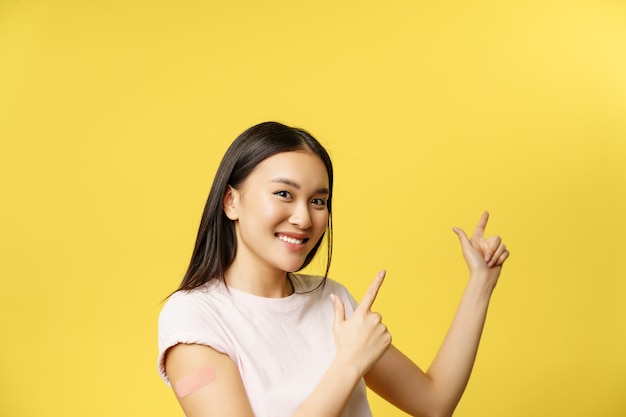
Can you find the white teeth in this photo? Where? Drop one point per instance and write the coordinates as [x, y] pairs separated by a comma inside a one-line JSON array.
[[291, 240]]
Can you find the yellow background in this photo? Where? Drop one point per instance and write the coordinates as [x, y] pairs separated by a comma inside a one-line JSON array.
[[114, 115]]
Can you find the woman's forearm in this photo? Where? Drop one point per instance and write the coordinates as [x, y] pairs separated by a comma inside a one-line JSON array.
[[330, 396], [452, 366]]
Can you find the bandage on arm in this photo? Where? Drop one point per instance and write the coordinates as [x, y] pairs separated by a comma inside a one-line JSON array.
[[206, 382], [194, 381]]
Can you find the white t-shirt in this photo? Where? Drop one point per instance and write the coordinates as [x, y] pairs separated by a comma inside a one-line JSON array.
[[282, 346]]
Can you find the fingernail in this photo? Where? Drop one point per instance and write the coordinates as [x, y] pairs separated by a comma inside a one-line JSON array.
[[487, 257], [333, 298]]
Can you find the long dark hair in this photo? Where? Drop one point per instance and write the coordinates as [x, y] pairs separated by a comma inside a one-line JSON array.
[[216, 243]]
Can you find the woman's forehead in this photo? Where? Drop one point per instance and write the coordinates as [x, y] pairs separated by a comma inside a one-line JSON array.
[[295, 166]]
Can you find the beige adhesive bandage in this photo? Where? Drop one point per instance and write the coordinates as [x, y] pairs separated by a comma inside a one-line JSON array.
[[194, 381]]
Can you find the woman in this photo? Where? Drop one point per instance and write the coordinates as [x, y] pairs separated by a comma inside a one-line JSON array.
[[245, 336]]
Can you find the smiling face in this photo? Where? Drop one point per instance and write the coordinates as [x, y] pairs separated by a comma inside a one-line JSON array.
[[279, 212]]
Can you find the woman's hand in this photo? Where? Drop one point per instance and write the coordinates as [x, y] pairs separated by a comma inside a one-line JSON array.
[[484, 256], [362, 339]]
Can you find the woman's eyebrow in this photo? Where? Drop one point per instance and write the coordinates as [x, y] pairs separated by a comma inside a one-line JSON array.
[[286, 181]]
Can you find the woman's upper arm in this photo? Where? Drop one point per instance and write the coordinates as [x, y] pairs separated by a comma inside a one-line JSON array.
[[206, 382]]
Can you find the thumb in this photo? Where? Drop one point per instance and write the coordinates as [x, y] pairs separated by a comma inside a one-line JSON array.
[[462, 237], [340, 310]]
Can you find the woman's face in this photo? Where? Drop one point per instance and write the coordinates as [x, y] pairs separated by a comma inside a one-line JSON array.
[[280, 212]]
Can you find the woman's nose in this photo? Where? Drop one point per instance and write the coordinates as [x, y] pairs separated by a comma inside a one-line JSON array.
[[301, 217]]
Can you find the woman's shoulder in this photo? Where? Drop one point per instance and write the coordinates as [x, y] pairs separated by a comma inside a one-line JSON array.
[[192, 301]]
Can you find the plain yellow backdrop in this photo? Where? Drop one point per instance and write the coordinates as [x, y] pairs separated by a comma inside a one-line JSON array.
[[114, 115]]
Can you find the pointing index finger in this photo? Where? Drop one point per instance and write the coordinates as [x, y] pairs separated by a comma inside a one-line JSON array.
[[482, 224], [372, 291]]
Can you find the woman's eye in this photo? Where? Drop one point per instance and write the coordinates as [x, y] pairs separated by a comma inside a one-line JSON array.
[[319, 202], [283, 194]]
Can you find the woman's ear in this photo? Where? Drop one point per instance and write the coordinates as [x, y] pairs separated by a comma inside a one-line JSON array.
[[231, 198]]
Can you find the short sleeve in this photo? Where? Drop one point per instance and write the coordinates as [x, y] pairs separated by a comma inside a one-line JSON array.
[[186, 318]]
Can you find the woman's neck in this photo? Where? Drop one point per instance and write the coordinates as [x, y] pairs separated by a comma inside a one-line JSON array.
[[270, 285]]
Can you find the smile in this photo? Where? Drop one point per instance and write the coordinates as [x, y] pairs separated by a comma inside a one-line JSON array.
[[291, 240]]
